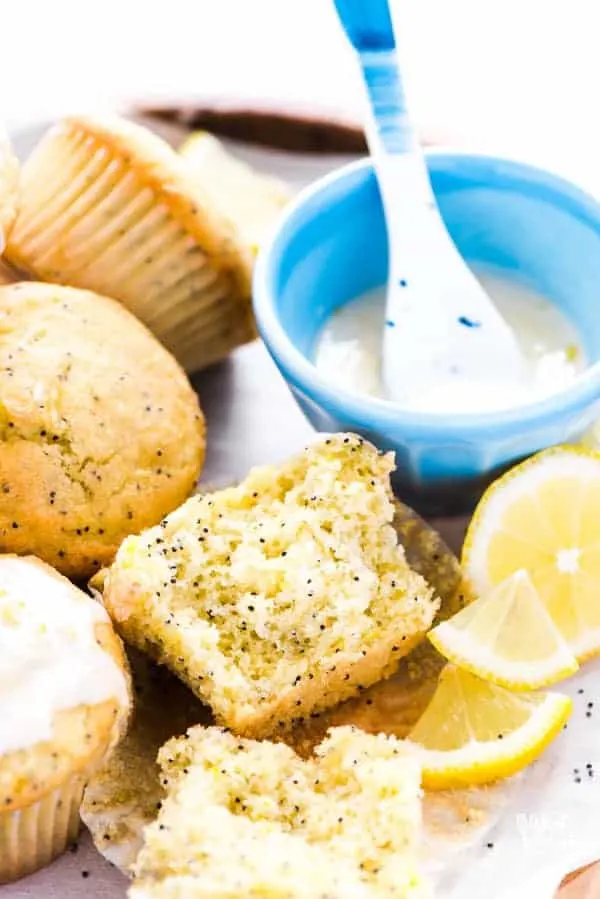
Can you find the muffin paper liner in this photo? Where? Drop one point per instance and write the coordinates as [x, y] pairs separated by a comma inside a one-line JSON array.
[[32, 837]]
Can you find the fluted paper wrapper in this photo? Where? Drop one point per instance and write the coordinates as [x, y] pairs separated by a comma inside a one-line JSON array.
[[32, 837]]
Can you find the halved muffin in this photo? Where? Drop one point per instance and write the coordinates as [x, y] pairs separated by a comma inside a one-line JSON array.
[[243, 818], [108, 206], [64, 705], [281, 596], [125, 794]]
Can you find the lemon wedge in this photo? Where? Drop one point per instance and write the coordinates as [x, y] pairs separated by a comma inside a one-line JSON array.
[[474, 732], [507, 637], [544, 516]]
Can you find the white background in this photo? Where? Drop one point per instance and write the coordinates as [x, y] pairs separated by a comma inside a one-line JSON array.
[[522, 73]]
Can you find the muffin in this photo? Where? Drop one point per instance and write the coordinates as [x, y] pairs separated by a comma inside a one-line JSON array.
[[252, 200], [279, 597], [108, 206], [100, 432], [9, 190], [63, 706], [243, 818]]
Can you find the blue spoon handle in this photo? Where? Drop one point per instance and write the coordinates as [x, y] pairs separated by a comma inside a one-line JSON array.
[[389, 113], [401, 170], [368, 26]]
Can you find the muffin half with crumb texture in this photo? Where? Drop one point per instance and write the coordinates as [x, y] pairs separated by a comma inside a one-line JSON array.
[[63, 706], [108, 206], [278, 597], [100, 432], [243, 818]]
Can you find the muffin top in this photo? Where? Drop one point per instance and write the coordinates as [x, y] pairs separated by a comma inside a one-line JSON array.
[[9, 188], [65, 692], [101, 433]]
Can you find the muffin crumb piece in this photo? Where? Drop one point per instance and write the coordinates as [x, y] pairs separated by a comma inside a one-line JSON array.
[[243, 818]]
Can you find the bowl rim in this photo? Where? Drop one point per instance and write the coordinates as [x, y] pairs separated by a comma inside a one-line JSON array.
[[374, 412]]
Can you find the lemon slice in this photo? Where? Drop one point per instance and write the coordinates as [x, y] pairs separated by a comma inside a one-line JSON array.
[[250, 199], [544, 516], [474, 732], [507, 637]]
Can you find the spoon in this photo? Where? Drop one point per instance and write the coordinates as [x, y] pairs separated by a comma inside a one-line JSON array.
[[441, 328]]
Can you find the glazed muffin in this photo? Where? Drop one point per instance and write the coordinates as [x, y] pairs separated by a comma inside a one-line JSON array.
[[9, 190], [281, 596], [242, 818], [100, 432], [108, 206], [63, 707]]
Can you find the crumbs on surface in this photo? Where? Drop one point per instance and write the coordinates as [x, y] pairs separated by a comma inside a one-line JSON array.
[[244, 818]]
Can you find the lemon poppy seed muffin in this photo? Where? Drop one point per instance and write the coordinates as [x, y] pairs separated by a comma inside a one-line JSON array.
[[63, 707], [100, 432], [109, 206], [243, 818], [278, 597], [9, 190], [250, 199]]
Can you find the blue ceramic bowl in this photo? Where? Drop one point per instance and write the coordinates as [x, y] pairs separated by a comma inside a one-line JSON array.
[[517, 221]]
